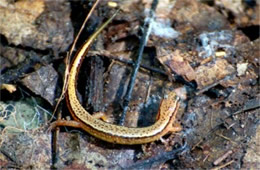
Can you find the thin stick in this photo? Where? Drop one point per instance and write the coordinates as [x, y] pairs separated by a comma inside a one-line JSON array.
[[68, 59], [143, 41], [223, 166], [116, 57], [81, 28], [65, 85], [163, 157]]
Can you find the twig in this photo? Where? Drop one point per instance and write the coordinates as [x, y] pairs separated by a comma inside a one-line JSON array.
[[125, 61], [163, 157], [68, 59], [83, 25], [149, 89], [65, 85], [220, 159], [197, 144], [10, 155], [208, 87], [223, 166], [143, 41], [249, 105], [224, 137], [13, 74]]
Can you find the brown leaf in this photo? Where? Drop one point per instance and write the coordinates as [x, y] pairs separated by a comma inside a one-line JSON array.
[[212, 72], [176, 62], [43, 82], [34, 24]]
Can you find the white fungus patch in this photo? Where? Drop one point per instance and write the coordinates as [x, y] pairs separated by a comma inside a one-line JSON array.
[[162, 28]]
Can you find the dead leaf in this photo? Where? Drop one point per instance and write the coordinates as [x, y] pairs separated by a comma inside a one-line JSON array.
[[213, 72], [176, 62], [34, 24], [42, 82]]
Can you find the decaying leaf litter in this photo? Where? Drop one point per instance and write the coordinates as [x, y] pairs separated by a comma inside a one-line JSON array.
[[207, 51]]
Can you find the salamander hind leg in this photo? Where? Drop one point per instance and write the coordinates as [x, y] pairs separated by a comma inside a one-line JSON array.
[[102, 116], [175, 128]]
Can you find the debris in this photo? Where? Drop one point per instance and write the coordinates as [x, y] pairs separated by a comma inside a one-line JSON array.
[[9, 87], [43, 82], [241, 68]]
